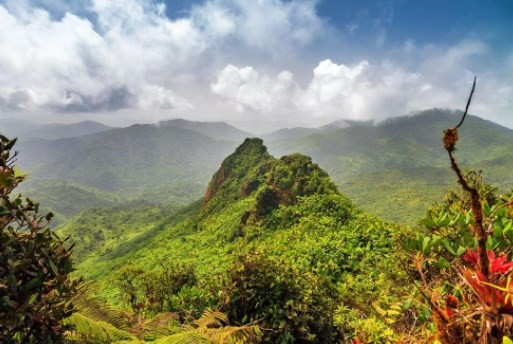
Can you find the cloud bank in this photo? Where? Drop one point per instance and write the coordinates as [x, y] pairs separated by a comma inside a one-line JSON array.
[[229, 60], [365, 90], [131, 54]]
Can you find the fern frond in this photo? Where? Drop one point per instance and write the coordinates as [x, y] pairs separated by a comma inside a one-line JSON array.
[[161, 325], [211, 318], [186, 337], [97, 309], [86, 330], [212, 327]]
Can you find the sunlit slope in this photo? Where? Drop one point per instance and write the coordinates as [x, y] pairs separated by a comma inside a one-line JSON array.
[[287, 207]]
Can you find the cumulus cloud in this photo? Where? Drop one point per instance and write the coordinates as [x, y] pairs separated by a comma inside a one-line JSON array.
[[131, 54], [365, 90], [246, 89]]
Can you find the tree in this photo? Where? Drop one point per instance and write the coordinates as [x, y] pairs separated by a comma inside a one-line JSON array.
[[35, 265]]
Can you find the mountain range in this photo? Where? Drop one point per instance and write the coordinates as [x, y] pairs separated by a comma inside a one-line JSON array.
[[400, 158]]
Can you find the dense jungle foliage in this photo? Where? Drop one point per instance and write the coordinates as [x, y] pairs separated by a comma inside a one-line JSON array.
[[273, 253]]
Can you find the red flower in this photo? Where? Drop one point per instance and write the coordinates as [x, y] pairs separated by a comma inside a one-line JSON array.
[[497, 264], [471, 257], [451, 303]]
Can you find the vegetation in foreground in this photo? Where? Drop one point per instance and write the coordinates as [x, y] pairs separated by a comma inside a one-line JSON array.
[[35, 265], [272, 253], [271, 235]]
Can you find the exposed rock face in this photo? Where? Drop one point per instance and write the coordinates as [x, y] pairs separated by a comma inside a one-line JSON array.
[[219, 178]]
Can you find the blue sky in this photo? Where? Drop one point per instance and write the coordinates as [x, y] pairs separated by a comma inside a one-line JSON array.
[[426, 22], [283, 62]]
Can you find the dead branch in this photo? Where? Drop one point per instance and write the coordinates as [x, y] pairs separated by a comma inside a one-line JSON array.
[[450, 139]]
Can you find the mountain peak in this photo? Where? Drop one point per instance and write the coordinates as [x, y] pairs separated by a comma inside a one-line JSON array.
[[237, 167], [252, 145], [252, 169]]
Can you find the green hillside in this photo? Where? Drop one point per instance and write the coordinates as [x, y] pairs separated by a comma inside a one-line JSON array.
[[277, 226], [162, 164], [65, 199]]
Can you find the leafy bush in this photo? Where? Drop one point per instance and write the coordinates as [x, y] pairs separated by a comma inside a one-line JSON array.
[[296, 175], [35, 265], [159, 290], [293, 306]]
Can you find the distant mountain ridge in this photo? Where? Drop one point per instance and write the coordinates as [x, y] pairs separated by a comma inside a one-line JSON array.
[[215, 130], [172, 161], [157, 163], [299, 132], [25, 130]]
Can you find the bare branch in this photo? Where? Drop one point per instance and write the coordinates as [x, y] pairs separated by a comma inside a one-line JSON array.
[[468, 103], [450, 139]]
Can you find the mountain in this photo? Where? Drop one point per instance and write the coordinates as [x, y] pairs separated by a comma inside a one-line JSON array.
[[214, 130], [29, 130], [272, 240], [404, 156], [401, 158], [288, 134], [59, 131], [300, 132], [65, 199], [158, 163], [16, 127]]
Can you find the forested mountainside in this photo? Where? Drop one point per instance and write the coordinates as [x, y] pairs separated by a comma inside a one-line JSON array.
[[214, 130], [403, 155], [272, 232], [403, 159], [65, 199], [157, 163]]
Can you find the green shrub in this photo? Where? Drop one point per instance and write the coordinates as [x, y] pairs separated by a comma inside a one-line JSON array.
[[289, 305], [35, 266]]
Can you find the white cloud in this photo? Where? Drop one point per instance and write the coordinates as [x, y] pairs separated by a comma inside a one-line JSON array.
[[246, 89], [133, 55], [364, 90]]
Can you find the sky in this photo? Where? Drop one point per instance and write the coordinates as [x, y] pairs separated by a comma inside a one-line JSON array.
[[259, 64]]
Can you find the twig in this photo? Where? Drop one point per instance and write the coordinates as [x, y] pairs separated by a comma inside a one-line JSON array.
[[468, 103]]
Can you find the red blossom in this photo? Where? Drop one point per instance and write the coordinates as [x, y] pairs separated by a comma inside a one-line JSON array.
[[471, 257], [497, 264]]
